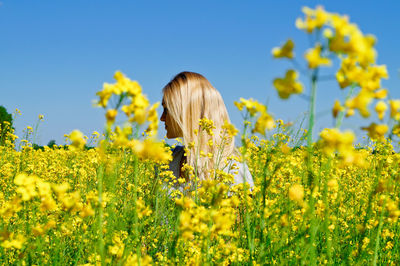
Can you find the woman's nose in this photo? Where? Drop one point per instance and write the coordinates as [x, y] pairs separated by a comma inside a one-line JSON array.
[[162, 118]]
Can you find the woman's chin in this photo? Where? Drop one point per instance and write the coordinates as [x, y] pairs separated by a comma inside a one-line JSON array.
[[171, 136]]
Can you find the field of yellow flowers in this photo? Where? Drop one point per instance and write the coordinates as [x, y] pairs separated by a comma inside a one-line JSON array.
[[323, 202]]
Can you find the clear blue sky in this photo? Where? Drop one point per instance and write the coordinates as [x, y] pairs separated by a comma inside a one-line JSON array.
[[55, 55]]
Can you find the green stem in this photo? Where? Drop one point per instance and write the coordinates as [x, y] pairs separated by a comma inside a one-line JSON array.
[[250, 238], [378, 235], [327, 212], [135, 215], [311, 181], [100, 218], [339, 119], [311, 115]]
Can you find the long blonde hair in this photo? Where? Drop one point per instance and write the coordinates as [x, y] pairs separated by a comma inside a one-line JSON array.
[[190, 97]]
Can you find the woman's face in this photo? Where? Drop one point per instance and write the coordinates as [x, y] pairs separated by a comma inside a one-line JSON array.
[[171, 126]]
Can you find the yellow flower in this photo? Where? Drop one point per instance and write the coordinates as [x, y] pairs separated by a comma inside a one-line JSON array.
[[285, 149], [371, 77], [152, 117], [265, 121], [333, 184], [26, 186], [314, 19], [37, 230], [341, 25], [363, 47], [333, 140], [394, 109], [123, 85], [361, 102], [207, 125], [285, 51], [349, 72], [350, 112], [381, 94], [239, 105], [150, 150], [133, 260], [105, 94], [77, 140], [110, 115], [14, 242], [142, 209], [288, 85], [252, 106], [380, 109], [314, 59], [375, 131], [230, 129], [296, 193], [337, 107], [86, 211]]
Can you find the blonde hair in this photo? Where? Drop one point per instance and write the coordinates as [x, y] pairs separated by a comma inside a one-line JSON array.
[[190, 97]]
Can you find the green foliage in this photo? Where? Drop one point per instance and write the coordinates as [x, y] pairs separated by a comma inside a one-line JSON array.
[[51, 143], [6, 124]]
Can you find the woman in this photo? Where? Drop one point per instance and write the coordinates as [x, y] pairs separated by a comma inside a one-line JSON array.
[[188, 98]]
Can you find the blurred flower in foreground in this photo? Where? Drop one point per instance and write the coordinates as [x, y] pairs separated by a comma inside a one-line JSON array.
[[360, 102], [288, 85], [376, 132], [333, 140], [380, 109], [252, 106], [134, 104], [394, 109], [296, 193], [285, 51], [315, 19], [337, 107], [230, 128], [314, 59], [77, 140], [264, 121]]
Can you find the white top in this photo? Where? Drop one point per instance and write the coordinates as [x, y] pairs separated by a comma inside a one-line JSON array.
[[241, 173]]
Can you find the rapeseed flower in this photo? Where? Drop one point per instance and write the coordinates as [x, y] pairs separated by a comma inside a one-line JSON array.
[[288, 85], [296, 193], [314, 59], [111, 114], [315, 19], [361, 102], [77, 140], [380, 109], [14, 241], [376, 131], [333, 140], [285, 51], [394, 109], [264, 122], [337, 107]]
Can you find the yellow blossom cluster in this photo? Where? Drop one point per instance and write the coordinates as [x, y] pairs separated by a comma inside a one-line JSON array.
[[264, 121], [137, 108], [358, 68], [288, 85], [138, 111]]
